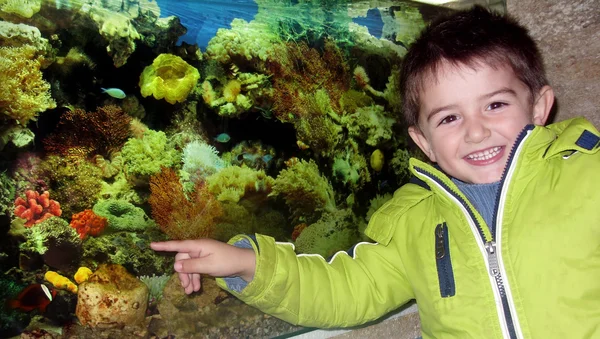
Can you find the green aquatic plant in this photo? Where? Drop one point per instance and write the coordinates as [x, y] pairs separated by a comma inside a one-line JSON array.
[[7, 194]]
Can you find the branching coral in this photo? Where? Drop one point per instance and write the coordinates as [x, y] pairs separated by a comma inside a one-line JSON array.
[[85, 134], [177, 216], [306, 192], [25, 93]]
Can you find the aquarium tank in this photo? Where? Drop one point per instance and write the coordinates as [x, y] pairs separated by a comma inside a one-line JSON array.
[[129, 121]]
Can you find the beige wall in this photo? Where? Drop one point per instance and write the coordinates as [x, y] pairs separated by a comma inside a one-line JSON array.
[[568, 33]]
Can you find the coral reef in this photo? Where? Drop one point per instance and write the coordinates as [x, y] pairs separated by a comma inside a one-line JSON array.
[[60, 282], [371, 124], [177, 216], [36, 207], [7, 194], [58, 244], [21, 8], [74, 181], [234, 183], [306, 192], [88, 223], [333, 232], [122, 215], [84, 134], [144, 157], [26, 94], [83, 274], [199, 161], [169, 77]]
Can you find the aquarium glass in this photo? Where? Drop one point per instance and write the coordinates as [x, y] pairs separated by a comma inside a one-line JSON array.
[[124, 122]]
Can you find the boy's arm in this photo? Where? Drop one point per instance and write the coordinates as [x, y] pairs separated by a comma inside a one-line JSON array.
[[351, 289]]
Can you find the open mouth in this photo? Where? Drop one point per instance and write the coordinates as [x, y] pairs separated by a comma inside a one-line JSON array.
[[488, 154]]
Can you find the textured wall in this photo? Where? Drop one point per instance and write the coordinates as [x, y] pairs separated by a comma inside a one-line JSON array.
[[568, 33]]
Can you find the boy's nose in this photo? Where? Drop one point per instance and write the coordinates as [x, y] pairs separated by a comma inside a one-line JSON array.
[[476, 131]]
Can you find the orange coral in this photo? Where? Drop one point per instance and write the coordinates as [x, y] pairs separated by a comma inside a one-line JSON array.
[[88, 222], [36, 207], [85, 134], [177, 216]]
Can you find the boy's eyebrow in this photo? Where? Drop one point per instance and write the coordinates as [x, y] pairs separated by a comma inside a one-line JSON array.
[[485, 96]]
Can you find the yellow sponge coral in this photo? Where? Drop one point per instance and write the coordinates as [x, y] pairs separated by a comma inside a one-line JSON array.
[[82, 274], [60, 282], [169, 77]]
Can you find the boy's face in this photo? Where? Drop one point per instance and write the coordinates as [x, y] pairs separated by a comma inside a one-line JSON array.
[[470, 118]]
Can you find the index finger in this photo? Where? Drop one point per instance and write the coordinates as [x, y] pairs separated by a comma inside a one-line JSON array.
[[177, 246]]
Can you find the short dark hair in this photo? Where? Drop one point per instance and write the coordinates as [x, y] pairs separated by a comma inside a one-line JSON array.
[[472, 37]]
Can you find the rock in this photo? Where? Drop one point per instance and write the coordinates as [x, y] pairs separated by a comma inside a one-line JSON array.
[[112, 297]]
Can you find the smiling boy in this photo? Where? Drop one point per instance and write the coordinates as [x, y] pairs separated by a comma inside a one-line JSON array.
[[499, 237]]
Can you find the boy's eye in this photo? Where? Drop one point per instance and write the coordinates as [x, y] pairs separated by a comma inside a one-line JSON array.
[[495, 105], [448, 119]]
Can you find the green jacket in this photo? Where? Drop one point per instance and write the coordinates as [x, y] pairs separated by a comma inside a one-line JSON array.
[[538, 276]]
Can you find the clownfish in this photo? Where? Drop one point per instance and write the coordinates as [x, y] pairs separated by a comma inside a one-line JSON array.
[[33, 296]]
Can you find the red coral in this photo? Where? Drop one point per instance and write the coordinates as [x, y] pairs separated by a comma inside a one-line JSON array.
[[177, 216], [36, 207], [88, 222], [85, 134]]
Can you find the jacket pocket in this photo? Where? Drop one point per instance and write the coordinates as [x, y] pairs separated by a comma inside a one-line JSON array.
[[443, 262]]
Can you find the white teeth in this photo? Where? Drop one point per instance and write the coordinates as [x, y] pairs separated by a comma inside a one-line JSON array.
[[487, 154]]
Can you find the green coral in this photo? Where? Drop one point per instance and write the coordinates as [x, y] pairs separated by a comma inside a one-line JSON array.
[[400, 166], [156, 285], [123, 215], [371, 124], [132, 250], [120, 189], [74, 182], [7, 194], [350, 168], [249, 41], [52, 228], [333, 232], [144, 157], [234, 182], [306, 192]]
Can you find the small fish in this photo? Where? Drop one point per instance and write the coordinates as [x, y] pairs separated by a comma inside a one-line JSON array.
[[222, 138], [266, 158], [114, 92], [33, 296]]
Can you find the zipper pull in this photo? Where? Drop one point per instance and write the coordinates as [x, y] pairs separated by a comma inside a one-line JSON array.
[[490, 247], [440, 248]]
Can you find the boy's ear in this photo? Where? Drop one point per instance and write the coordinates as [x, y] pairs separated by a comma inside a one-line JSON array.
[[543, 105], [417, 136]]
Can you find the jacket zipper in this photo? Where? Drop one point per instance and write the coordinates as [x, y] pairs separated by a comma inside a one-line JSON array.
[[504, 303]]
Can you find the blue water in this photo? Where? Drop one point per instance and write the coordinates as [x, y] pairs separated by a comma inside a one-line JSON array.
[[203, 18]]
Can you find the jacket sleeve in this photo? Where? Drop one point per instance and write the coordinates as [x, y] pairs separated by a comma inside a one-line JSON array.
[[350, 289]]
